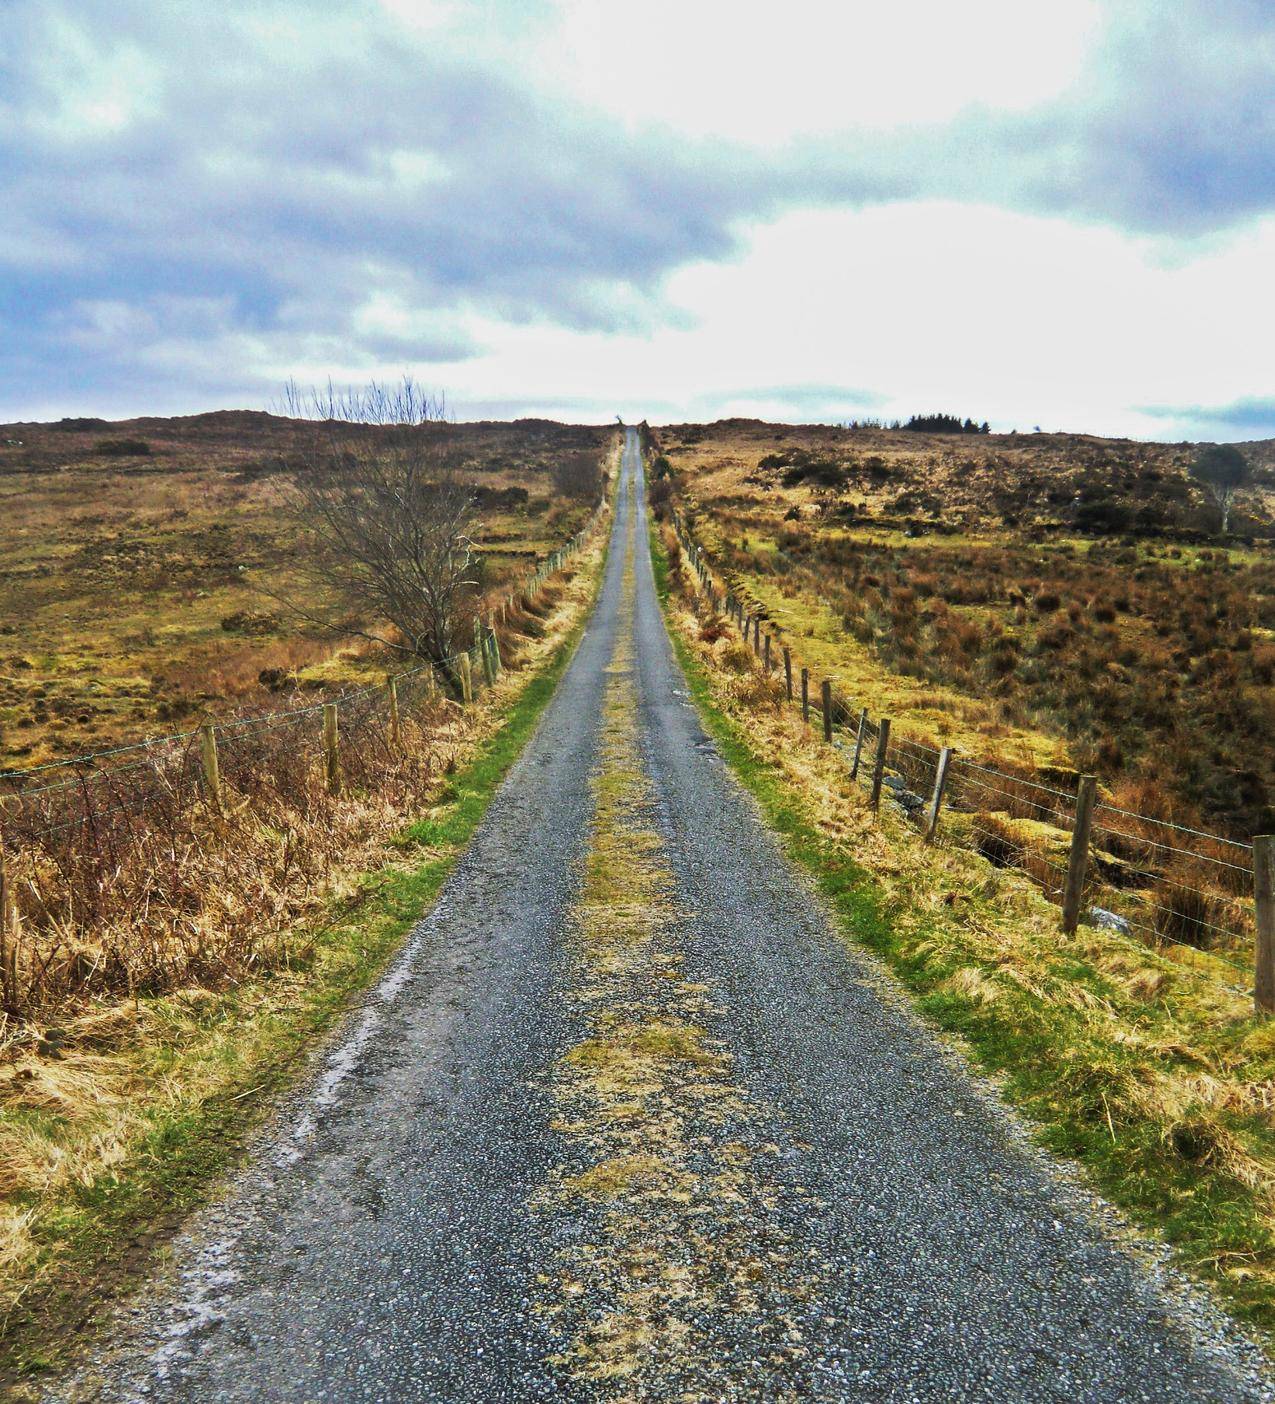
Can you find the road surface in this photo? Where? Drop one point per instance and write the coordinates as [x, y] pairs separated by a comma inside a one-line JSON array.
[[628, 1120]]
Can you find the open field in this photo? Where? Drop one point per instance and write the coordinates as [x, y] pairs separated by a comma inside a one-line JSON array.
[[1040, 600], [131, 583]]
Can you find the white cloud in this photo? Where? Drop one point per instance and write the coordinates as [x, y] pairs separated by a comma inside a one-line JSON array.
[[765, 73]]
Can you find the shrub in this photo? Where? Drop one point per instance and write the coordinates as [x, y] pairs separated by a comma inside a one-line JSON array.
[[122, 448]]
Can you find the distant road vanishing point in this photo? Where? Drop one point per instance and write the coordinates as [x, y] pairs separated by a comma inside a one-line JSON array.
[[628, 1119]]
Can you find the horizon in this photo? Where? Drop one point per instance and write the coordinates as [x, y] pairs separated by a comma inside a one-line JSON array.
[[561, 209]]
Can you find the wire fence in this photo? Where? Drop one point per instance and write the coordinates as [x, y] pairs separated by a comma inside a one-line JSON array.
[[143, 865], [1204, 895]]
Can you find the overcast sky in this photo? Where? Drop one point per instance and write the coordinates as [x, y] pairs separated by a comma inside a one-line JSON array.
[[1058, 213]]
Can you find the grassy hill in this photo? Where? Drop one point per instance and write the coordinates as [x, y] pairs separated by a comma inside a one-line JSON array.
[[131, 556], [1057, 600]]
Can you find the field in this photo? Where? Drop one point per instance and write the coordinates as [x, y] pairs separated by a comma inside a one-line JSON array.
[[1048, 601], [136, 557]]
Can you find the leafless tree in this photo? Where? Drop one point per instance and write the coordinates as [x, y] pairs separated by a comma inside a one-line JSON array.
[[384, 516]]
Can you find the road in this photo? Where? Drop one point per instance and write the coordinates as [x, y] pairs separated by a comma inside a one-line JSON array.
[[628, 1120]]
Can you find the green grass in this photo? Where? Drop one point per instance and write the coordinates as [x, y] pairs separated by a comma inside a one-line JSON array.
[[1045, 1056], [98, 1239]]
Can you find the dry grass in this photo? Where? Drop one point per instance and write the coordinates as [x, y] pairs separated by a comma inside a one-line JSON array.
[[1152, 1070], [131, 605], [152, 1003]]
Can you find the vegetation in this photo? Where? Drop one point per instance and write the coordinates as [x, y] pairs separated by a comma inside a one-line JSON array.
[[123, 1097], [899, 572], [131, 585], [1152, 1075], [1223, 469]]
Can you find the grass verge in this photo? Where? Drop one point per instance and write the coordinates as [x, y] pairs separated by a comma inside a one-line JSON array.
[[1155, 1080], [212, 1061]]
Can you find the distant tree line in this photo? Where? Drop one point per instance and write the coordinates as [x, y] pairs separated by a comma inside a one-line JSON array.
[[925, 424]]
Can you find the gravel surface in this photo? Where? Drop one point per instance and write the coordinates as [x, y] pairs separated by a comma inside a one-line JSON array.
[[393, 1237]]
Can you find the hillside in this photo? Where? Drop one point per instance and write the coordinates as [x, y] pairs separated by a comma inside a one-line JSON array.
[[1037, 599], [135, 558], [1039, 483]]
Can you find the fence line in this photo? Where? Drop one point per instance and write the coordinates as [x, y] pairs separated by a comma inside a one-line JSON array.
[[64, 842], [1196, 899]]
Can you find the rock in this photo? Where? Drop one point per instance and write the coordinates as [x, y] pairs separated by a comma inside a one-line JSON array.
[[1108, 921]]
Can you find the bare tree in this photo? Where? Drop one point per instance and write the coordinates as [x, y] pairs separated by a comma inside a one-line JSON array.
[[1223, 470], [384, 515]]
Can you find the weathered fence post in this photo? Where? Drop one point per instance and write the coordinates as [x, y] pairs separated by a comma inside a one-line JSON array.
[[825, 695], [756, 633], [805, 695], [765, 655], [489, 663], [396, 732], [212, 766], [8, 939], [1078, 862], [858, 744], [788, 671], [1264, 900], [878, 770], [331, 748], [496, 660], [466, 679], [940, 783]]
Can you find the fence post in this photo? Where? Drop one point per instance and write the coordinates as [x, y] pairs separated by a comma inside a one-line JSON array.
[[858, 744], [331, 748], [396, 734], [765, 657], [466, 679], [940, 783], [489, 663], [1264, 900], [8, 939], [878, 770], [495, 651], [826, 698], [788, 671], [212, 767], [1078, 863], [756, 633], [805, 695]]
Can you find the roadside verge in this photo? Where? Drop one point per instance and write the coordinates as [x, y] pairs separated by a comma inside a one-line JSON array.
[[1156, 1082]]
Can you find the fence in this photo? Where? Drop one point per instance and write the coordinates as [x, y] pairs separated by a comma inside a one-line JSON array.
[[1211, 897], [101, 839]]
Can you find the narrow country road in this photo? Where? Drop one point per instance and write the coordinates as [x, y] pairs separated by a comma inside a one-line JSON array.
[[627, 1120]]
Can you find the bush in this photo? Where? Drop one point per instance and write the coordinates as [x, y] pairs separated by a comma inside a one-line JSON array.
[[122, 448]]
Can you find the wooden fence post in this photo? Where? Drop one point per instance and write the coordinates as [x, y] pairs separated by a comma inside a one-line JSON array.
[[212, 766], [765, 657], [331, 748], [826, 699], [396, 732], [466, 679], [858, 744], [878, 770], [484, 652], [1078, 862], [940, 783], [788, 671], [805, 695], [756, 633], [1264, 900], [8, 939], [497, 663]]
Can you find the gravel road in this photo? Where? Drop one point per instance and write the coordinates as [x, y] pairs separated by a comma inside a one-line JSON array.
[[627, 1120]]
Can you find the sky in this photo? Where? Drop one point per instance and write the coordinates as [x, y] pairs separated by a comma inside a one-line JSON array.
[[1058, 214]]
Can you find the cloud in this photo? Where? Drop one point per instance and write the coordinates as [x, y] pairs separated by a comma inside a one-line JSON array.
[[1251, 418], [200, 201]]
